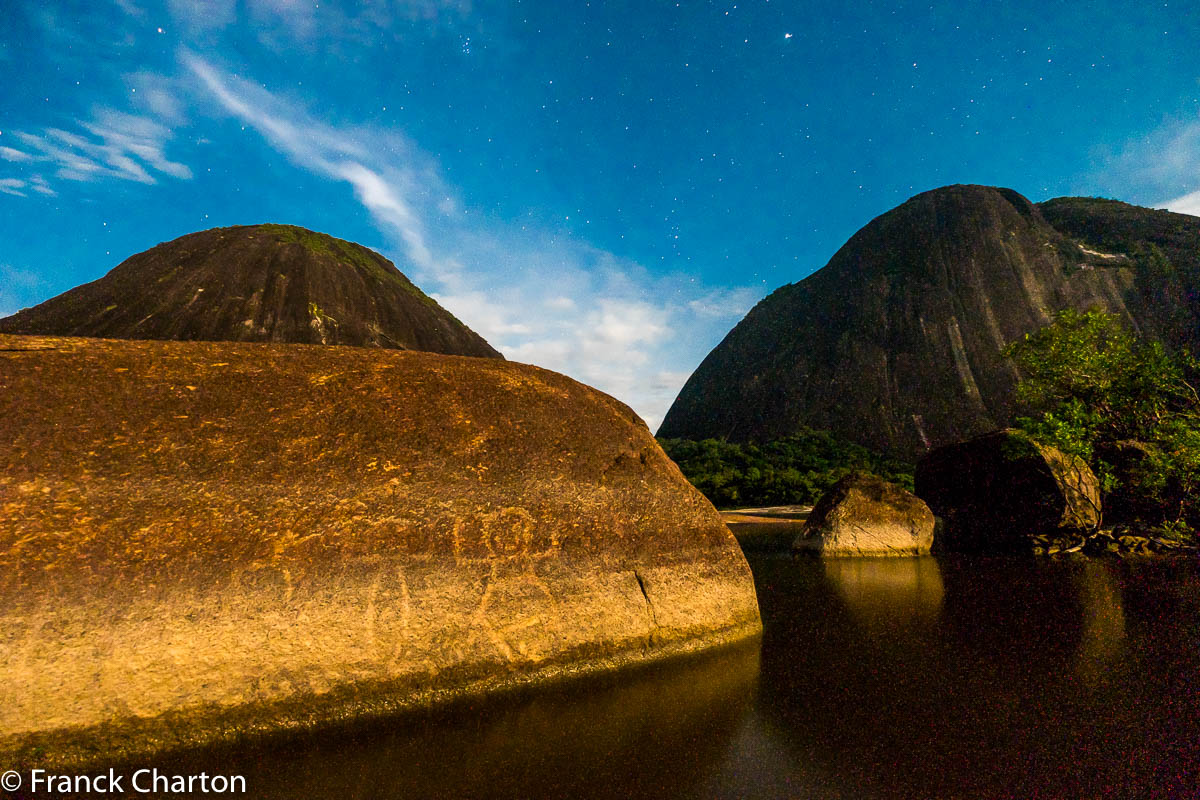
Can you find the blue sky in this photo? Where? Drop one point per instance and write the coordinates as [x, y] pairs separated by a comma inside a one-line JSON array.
[[603, 189]]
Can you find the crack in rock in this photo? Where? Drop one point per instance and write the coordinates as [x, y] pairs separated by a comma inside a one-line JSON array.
[[649, 605]]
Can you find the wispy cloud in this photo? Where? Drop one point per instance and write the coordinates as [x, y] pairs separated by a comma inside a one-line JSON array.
[[157, 96], [209, 15], [538, 296], [1184, 204], [12, 154], [1161, 168], [39, 185], [15, 286], [337, 155], [19, 186], [112, 144], [131, 8], [12, 186], [279, 23]]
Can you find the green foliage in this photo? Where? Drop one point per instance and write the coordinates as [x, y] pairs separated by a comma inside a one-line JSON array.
[[1150, 258], [1176, 531], [1071, 255], [791, 471], [320, 243], [1090, 385], [346, 252], [1164, 250], [315, 312]]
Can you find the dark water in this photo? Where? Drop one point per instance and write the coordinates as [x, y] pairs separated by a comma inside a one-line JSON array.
[[875, 678]]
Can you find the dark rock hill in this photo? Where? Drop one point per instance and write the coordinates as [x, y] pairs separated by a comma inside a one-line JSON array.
[[895, 343], [255, 283]]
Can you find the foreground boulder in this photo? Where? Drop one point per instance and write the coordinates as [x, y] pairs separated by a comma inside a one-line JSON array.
[[1001, 491], [862, 515], [200, 540]]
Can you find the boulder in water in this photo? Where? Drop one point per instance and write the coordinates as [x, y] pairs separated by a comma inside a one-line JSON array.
[[998, 491], [862, 515]]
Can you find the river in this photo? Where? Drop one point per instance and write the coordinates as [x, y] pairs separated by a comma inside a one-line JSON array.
[[919, 678]]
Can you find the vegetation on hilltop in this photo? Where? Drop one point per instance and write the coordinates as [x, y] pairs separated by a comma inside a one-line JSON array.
[[795, 470], [1159, 241], [340, 249], [1164, 249]]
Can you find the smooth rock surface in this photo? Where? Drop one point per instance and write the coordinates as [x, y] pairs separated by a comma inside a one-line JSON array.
[[862, 515], [201, 541], [997, 492]]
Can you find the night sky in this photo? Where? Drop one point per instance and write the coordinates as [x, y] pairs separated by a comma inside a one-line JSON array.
[[603, 189]]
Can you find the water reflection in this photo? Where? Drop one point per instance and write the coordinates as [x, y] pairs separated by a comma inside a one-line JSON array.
[[877, 678], [761, 762], [656, 732], [1102, 638], [1001, 678], [888, 591]]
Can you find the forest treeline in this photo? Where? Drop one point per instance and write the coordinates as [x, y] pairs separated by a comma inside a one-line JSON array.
[[795, 470]]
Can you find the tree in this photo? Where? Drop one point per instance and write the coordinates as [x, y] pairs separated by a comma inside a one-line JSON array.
[[1093, 388]]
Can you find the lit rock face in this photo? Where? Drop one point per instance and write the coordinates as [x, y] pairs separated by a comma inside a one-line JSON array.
[[896, 343], [255, 283], [862, 515], [201, 540], [996, 492]]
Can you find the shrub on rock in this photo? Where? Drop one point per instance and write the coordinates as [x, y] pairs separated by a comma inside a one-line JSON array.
[[998, 491], [1140, 488]]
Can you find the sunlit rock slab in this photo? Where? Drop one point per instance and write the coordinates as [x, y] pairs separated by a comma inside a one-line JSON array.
[[200, 541]]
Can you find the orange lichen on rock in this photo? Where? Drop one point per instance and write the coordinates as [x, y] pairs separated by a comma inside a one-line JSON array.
[[199, 540]]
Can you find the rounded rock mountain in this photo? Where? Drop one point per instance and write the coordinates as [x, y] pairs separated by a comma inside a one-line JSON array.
[[896, 343], [255, 283]]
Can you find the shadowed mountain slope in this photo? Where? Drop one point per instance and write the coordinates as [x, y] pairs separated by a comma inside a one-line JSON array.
[[255, 283], [895, 343], [1164, 249]]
